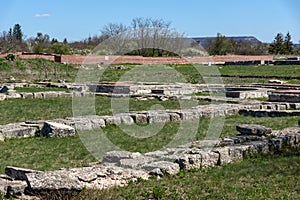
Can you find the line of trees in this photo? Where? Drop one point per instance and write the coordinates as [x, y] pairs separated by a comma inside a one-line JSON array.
[[147, 36], [282, 45]]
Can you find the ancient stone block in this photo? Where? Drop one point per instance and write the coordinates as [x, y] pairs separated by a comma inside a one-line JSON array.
[[188, 115], [38, 95], [165, 167], [2, 97], [126, 119], [209, 159], [27, 95], [140, 118], [116, 156], [156, 117], [113, 120], [65, 94], [16, 131], [253, 129], [55, 180], [12, 188], [53, 129], [174, 117], [135, 162], [50, 94]]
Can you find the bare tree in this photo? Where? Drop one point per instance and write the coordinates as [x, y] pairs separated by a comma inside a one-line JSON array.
[[113, 29]]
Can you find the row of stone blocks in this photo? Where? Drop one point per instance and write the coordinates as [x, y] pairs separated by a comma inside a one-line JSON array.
[[119, 167], [67, 127], [40, 95], [269, 113]]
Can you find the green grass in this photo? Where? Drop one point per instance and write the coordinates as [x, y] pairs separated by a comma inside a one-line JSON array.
[[19, 110], [194, 73], [33, 70], [272, 177], [40, 89], [53, 153], [43, 153]]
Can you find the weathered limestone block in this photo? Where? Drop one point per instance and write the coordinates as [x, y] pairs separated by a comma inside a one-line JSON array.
[[276, 144], [158, 117], [164, 166], [38, 95], [116, 156], [258, 147], [13, 95], [253, 129], [113, 120], [16, 130], [18, 173], [209, 159], [27, 95], [135, 162], [293, 140], [10, 187], [52, 129], [50, 94], [65, 94], [139, 118], [79, 123], [2, 97], [188, 115], [229, 154], [54, 180], [189, 161], [281, 107], [174, 117], [126, 119], [97, 122], [157, 154]]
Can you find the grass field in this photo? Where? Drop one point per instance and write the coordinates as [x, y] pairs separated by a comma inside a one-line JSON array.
[[35, 69], [32, 69], [43, 153]]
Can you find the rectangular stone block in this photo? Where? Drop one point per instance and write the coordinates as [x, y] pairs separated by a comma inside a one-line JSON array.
[[174, 117], [27, 95], [50, 94], [113, 120], [140, 118], [187, 115], [65, 94], [38, 95], [158, 117]]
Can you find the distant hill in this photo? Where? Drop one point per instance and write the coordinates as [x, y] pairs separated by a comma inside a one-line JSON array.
[[206, 41]]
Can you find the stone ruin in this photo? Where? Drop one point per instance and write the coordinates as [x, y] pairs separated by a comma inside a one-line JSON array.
[[120, 167]]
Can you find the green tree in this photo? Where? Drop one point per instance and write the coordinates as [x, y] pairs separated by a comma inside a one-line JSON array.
[[60, 48], [288, 44], [17, 32], [277, 46], [219, 46]]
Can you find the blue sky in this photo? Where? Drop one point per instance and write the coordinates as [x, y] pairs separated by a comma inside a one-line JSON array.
[[76, 20]]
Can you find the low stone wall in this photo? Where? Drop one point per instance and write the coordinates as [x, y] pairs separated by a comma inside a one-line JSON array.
[[120, 167], [285, 96], [31, 128]]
